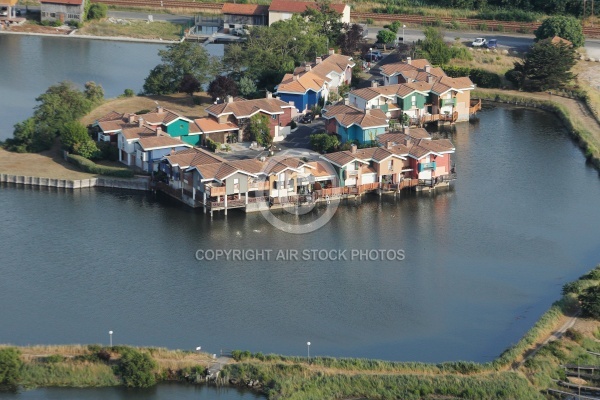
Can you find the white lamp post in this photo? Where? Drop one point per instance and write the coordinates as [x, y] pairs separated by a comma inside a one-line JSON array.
[[403, 26], [308, 350], [110, 335], [198, 349]]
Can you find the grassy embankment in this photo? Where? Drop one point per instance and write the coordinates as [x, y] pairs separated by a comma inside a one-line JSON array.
[[333, 378], [158, 30]]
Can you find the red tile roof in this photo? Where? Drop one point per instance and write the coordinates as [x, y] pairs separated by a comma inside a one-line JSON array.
[[208, 125], [300, 6], [66, 2], [245, 9], [247, 108]]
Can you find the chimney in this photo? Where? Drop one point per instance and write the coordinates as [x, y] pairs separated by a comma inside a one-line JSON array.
[[159, 109], [428, 68], [140, 122], [229, 99], [331, 52], [389, 144], [353, 148], [430, 79], [307, 67], [269, 95], [368, 111], [131, 118], [406, 141], [318, 60], [374, 84], [158, 131], [409, 60], [295, 77]]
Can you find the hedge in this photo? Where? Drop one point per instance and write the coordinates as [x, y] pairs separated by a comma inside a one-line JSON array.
[[480, 77], [93, 168]]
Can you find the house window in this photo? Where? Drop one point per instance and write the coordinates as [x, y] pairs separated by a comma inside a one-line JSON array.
[[181, 126], [52, 15], [391, 165], [414, 100], [274, 116]]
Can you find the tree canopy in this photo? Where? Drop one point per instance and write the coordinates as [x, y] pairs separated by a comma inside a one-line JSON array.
[[10, 369], [326, 19], [433, 47], [272, 51], [179, 60], [590, 302], [563, 26], [136, 369], [546, 66], [350, 38], [59, 105], [221, 87], [260, 130]]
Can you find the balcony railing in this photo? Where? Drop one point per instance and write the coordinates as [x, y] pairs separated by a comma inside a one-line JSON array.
[[424, 166]]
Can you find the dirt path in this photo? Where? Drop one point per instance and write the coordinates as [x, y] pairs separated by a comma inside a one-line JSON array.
[[577, 109]]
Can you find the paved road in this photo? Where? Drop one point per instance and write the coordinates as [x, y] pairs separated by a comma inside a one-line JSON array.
[[510, 41]]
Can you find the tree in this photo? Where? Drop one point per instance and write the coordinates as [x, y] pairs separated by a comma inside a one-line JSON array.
[[386, 36], [233, 60], [434, 48], [590, 302], [324, 142], [161, 80], [10, 369], [326, 19], [247, 87], [260, 130], [136, 369], [351, 38], [563, 26], [96, 11], [59, 105], [221, 87], [94, 92], [545, 66], [394, 26], [189, 84], [87, 149], [72, 134], [179, 60]]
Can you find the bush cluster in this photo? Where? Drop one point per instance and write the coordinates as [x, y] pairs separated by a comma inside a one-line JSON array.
[[480, 77], [93, 168]]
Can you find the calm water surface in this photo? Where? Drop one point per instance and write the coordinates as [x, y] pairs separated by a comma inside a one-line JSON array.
[[160, 392], [30, 64], [483, 261]]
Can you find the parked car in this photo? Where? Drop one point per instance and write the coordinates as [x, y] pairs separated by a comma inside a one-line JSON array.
[[18, 12], [372, 57], [479, 42], [307, 118], [492, 44], [388, 46], [4, 12], [239, 32]]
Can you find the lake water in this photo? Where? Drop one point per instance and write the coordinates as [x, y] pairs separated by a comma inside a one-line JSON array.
[[30, 64], [160, 392], [483, 261]]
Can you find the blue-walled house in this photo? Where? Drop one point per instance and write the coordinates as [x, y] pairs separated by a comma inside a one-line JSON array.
[[304, 91], [353, 124]]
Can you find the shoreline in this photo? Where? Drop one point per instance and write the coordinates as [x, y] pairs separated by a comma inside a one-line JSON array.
[[137, 183], [91, 37]]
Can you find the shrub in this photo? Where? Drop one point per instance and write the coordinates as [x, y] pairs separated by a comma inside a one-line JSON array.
[[370, 21], [108, 151], [574, 335], [53, 359], [211, 144], [293, 125], [10, 369], [136, 369], [590, 302], [93, 168], [97, 11], [128, 93]]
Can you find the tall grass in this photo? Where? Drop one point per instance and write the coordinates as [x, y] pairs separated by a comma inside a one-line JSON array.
[[67, 373]]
